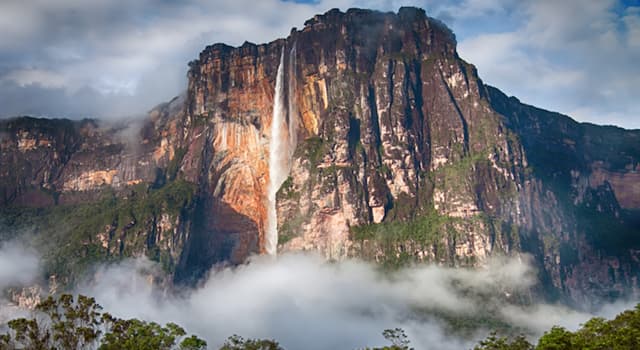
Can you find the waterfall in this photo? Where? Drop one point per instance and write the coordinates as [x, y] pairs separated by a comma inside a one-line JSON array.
[[281, 145], [278, 156]]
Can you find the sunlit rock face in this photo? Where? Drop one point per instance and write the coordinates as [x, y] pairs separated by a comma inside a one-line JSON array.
[[393, 150]]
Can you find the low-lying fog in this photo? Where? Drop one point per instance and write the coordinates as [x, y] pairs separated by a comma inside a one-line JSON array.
[[304, 302]]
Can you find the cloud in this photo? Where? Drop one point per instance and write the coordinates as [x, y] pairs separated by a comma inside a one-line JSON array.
[[18, 265], [562, 56], [119, 50], [305, 302], [631, 20], [566, 56], [47, 79]]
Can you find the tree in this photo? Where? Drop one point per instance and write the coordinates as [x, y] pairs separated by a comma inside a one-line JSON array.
[[139, 335], [193, 343], [621, 333], [397, 338], [68, 323], [557, 338], [62, 323], [236, 342], [494, 342]]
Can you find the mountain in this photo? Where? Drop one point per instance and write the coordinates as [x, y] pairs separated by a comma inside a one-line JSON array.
[[363, 134]]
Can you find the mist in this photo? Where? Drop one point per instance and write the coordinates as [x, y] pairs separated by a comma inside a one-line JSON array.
[[302, 301], [19, 267]]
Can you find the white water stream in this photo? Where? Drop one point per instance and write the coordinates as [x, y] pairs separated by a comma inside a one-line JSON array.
[[279, 156]]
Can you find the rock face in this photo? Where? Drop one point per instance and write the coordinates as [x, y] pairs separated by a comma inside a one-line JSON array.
[[398, 153]]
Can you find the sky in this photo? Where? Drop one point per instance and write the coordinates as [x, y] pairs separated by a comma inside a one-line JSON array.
[[115, 58]]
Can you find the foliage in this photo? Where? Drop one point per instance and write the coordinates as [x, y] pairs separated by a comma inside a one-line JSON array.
[[174, 165], [78, 323], [287, 190], [427, 229], [313, 148], [236, 342], [557, 338], [67, 234], [424, 228], [397, 338], [495, 342], [623, 332]]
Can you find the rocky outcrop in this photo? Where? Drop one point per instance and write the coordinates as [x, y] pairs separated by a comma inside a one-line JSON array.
[[398, 153], [88, 191], [52, 161]]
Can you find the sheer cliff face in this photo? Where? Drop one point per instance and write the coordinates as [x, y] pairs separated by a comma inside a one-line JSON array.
[[403, 155], [397, 153]]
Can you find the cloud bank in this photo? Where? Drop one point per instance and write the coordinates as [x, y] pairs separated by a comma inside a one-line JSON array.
[[579, 58], [19, 267], [305, 302], [106, 58]]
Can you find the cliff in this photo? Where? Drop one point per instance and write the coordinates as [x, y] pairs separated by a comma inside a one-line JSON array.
[[391, 147]]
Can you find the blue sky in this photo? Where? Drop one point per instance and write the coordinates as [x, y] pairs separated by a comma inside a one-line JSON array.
[[111, 58]]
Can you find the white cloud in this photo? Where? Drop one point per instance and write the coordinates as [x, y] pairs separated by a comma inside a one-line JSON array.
[[566, 56], [591, 115], [305, 302], [556, 24], [505, 58], [45, 78], [632, 23], [558, 55], [18, 265]]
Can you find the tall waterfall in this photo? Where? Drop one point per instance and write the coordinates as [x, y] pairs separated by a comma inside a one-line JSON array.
[[278, 159], [282, 144]]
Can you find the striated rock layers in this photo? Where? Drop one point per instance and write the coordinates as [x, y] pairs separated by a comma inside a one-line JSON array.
[[395, 151]]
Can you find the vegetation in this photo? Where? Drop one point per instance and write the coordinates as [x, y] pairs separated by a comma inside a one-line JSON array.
[[79, 323], [287, 190], [174, 165], [623, 332], [426, 230], [69, 322], [236, 342], [313, 149], [495, 342], [397, 338], [68, 234]]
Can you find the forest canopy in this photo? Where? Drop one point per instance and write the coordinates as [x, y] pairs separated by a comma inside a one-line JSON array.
[[78, 323]]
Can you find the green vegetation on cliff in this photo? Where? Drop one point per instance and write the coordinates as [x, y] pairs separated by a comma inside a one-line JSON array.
[[74, 237], [425, 232]]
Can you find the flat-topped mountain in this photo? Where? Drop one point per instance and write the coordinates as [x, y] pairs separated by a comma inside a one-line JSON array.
[[363, 134]]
